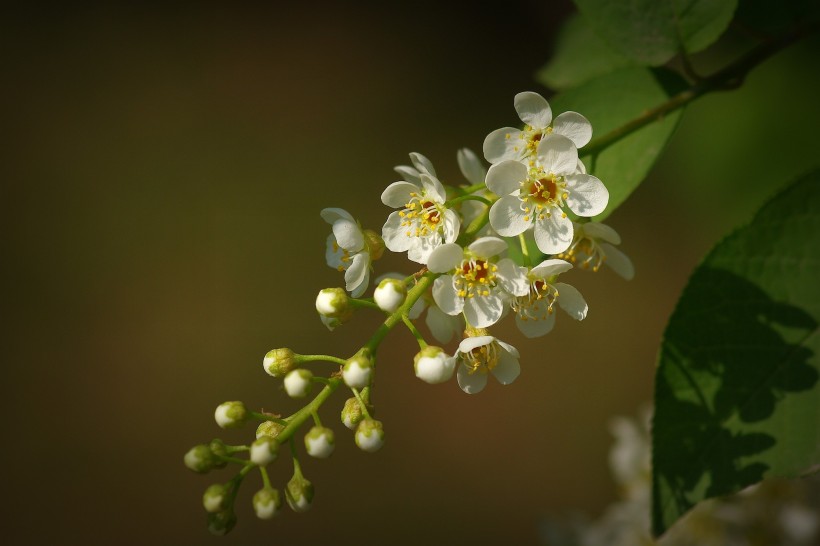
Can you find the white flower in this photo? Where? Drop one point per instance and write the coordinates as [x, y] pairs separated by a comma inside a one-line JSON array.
[[592, 246], [482, 354], [534, 196], [432, 365], [534, 310], [347, 250], [423, 221], [475, 284], [534, 110]]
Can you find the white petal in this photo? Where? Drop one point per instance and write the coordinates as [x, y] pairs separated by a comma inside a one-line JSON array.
[[445, 258], [446, 295], [409, 174], [470, 343], [587, 195], [397, 194], [471, 383], [394, 234], [471, 166], [533, 109], [452, 225], [333, 252], [507, 218], [618, 261], [423, 164], [422, 247], [596, 230], [506, 177], [486, 247], [550, 267], [571, 301], [509, 348], [574, 126], [513, 277], [507, 369], [581, 168], [483, 311], [535, 327], [348, 234], [330, 215], [442, 326], [557, 154], [417, 309], [553, 234], [357, 275], [433, 189], [501, 144]]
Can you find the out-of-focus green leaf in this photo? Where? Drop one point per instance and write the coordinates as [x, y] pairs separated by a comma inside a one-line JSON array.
[[653, 31], [579, 56], [736, 394], [611, 101]]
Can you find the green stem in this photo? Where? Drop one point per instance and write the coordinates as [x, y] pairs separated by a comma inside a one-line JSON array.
[[525, 251], [297, 468], [296, 420], [267, 417], [234, 460], [361, 402], [316, 419], [364, 303], [475, 226], [265, 477], [313, 358], [414, 331], [468, 197], [730, 77], [412, 296], [236, 449]]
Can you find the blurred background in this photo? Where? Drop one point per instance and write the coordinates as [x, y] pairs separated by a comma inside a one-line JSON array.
[[164, 171]]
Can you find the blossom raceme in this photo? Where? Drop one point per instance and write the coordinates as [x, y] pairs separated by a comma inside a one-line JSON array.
[[347, 250], [593, 246], [534, 313], [535, 196], [474, 283], [534, 110], [423, 222], [481, 355]]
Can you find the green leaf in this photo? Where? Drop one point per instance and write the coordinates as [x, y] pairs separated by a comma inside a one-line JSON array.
[[736, 391], [653, 31], [609, 102], [579, 56]]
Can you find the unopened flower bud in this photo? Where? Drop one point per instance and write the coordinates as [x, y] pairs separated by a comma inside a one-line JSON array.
[[374, 242], [266, 503], [298, 383], [319, 442], [333, 303], [270, 429], [264, 451], [433, 365], [299, 494], [352, 413], [218, 448], [331, 323], [279, 362], [220, 523], [215, 498], [358, 369], [390, 294], [231, 414], [200, 459], [370, 435]]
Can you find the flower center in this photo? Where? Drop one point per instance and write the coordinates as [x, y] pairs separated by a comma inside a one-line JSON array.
[[343, 255], [585, 250], [475, 278], [421, 216], [531, 306], [482, 359], [541, 191]]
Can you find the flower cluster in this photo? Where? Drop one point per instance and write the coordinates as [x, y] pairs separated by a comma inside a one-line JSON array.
[[491, 247]]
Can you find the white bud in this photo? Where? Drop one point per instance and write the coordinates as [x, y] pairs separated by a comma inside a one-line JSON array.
[[390, 294], [200, 459], [358, 370], [230, 414], [264, 451], [266, 503], [370, 435], [299, 494], [319, 442], [333, 303], [279, 362], [297, 383], [433, 365], [215, 497]]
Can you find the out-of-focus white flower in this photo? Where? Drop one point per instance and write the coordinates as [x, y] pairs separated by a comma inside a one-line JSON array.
[[347, 250], [266, 503], [480, 355], [593, 246]]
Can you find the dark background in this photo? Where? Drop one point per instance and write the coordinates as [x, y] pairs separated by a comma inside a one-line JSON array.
[[165, 167]]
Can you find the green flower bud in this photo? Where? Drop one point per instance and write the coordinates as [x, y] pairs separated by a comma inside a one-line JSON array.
[[375, 244], [267, 502], [370, 435], [215, 498], [218, 448], [390, 294], [358, 370], [298, 383], [279, 362], [299, 494], [320, 442], [220, 523], [334, 303], [264, 451], [352, 413], [231, 414], [271, 429], [200, 459]]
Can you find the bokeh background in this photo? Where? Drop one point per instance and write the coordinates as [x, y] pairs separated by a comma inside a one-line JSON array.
[[164, 170]]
